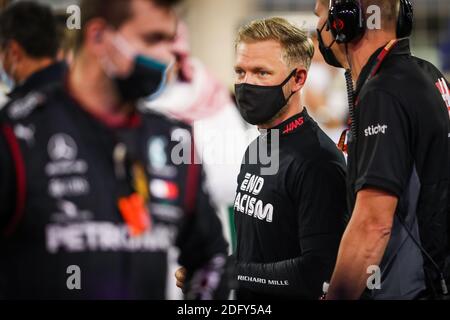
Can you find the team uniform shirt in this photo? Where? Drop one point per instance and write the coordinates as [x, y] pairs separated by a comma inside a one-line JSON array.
[[48, 76], [443, 86], [62, 175], [401, 147], [290, 213]]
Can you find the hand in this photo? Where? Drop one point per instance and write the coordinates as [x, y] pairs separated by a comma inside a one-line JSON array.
[[180, 275]]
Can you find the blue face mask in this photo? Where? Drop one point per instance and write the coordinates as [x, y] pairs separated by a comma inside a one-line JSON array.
[[146, 81], [6, 80], [163, 85]]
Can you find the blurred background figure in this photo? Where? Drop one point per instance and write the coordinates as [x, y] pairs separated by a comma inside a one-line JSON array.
[[82, 181], [29, 43], [195, 96], [445, 53], [67, 39]]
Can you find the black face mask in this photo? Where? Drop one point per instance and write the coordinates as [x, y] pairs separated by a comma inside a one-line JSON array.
[[259, 104], [326, 52], [147, 79]]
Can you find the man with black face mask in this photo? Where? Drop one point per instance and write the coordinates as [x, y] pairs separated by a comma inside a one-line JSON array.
[[91, 194], [395, 244], [289, 220]]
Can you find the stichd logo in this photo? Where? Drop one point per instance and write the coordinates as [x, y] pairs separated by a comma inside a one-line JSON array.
[[375, 130]]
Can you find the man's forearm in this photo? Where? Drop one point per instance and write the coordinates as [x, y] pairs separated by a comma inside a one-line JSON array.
[[360, 248]]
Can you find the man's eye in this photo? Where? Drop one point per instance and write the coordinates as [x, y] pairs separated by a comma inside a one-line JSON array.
[[156, 38], [239, 73], [263, 73]]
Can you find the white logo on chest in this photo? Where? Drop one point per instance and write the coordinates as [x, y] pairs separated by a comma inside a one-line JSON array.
[[375, 130], [250, 204], [62, 147]]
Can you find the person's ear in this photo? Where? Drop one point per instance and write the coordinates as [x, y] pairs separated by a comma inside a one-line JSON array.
[[299, 79], [14, 52], [94, 34]]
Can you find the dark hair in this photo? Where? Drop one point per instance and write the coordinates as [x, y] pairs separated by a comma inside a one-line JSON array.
[[33, 26], [114, 12]]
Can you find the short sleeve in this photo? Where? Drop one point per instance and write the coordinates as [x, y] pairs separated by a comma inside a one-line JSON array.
[[383, 146]]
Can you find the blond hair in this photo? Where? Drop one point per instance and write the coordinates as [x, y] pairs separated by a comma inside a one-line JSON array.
[[297, 47]]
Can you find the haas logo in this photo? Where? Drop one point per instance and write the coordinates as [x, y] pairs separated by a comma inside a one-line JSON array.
[[443, 88]]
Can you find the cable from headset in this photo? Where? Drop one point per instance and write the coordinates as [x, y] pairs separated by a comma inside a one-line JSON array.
[[351, 103], [350, 97], [443, 283]]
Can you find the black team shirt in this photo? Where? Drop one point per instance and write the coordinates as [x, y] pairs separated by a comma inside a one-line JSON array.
[[402, 148], [59, 191], [289, 222]]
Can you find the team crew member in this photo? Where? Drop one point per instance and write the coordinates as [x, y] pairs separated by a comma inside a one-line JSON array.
[[443, 86], [397, 159], [289, 222], [28, 47], [404, 29], [93, 186]]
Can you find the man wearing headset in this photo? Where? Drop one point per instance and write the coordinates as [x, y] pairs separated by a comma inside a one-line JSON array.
[[397, 167]]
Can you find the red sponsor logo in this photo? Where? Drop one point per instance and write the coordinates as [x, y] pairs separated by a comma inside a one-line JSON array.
[[162, 189], [291, 126]]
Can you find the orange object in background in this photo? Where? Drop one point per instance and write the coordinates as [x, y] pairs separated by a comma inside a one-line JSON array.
[[135, 213]]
